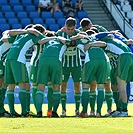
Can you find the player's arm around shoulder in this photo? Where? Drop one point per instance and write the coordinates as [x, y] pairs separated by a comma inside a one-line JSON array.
[[95, 44], [17, 32]]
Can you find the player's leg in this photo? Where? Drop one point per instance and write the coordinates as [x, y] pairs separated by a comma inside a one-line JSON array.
[[49, 99], [76, 75], [56, 99], [108, 97], [84, 100], [65, 77], [92, 97]]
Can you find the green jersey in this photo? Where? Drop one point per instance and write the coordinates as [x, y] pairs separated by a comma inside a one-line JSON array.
[[114, 48], [20, 46], [36, 54], [4, 47], [71, 57], [99, 28], [93, 52], [54, 48]]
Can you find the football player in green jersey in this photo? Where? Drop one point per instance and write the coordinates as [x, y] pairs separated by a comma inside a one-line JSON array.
[[50, 64], [71, 66], [16, 58]]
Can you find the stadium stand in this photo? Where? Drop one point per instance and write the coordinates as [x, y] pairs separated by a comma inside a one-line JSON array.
[[45, 15], [19, 13], [54, 27], [14, 2], [25, 21]]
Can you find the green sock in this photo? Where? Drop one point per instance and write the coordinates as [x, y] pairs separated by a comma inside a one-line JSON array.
[[92, 98], [49, 97], [39, 100], [34, 90], [116, 97], [1, 100], [85, 99], [108, 98], [100, 98], [56, 100], [10, 98], [23, 99], [4, 89], [28, 100], [63, 100], [77, 100], [122, 106]]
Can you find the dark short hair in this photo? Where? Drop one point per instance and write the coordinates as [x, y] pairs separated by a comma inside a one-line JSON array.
[[28, 26], [85, 22], [71, 22], [39, 27], [94, 28], [49, 33], [90, 32]]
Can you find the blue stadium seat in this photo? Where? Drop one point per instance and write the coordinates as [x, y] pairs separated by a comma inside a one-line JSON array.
[[18, 8], [77, 20], [36, 3], [1, 15], [4, 27], [33, 15], [58, 15], [46, 15], [73, 3], [61, 22], [22, 15], [12, 21], [45, 26], [37, 21], [3, 2], [25, 21], [2, 21], [78, 25], [60, 3], [26, 2], [49, 21], [6, 8], [82, 14], [54, 27], [10, 14], [30, 8], [17, 26], [14, 2]]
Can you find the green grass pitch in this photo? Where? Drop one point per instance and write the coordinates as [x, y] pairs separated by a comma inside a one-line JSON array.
[[69, 124]]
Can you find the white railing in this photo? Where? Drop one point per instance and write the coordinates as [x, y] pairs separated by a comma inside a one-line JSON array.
[[120, 18]]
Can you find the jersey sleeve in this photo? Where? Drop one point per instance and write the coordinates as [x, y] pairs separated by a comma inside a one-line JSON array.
[[11, 39]]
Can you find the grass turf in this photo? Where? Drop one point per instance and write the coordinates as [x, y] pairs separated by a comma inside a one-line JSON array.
[[69, 124]]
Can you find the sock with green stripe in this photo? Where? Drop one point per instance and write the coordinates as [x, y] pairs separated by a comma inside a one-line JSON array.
[[77, 100], [34, 90], [1, 100], [92, 98], [4, 89], [23, 99], [122, 106], [49, 97], [10, 98], [116, 97], [28, 100], [39, 100], [56, 99], [63, 100], [108, 98], [85, 99], [100, 98]]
